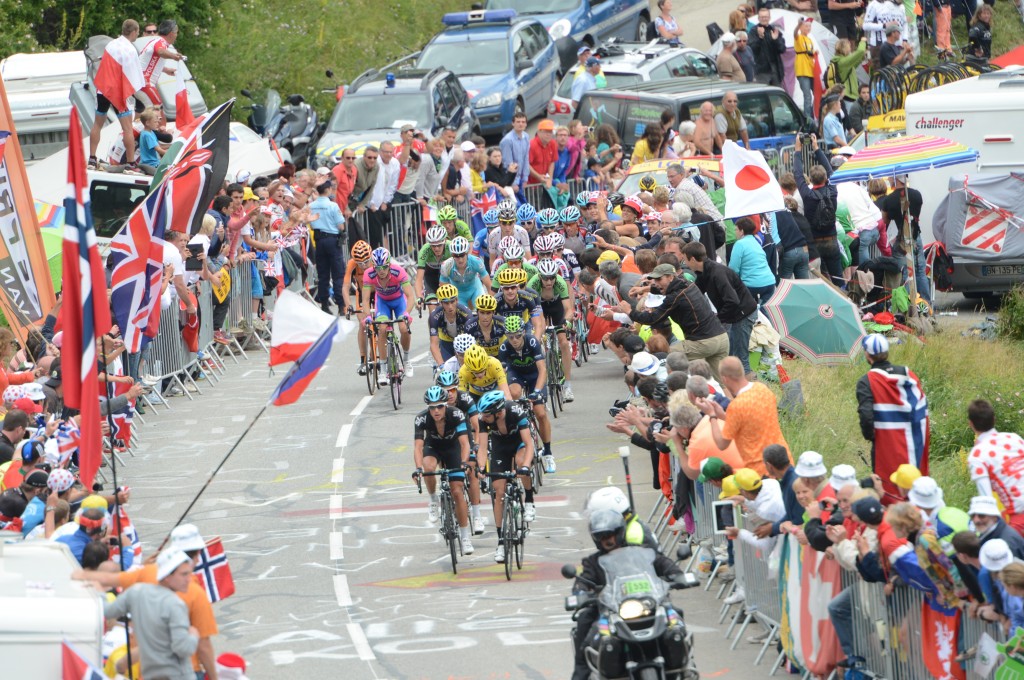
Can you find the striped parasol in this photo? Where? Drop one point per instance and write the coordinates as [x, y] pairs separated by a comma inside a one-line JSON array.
[[902, 156], [49, 215]]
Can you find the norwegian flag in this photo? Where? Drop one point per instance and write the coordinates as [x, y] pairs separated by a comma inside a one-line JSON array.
[[214, 572], [122, 523], [902, 424], [480, 205], [75, 666], [87, 315], [985, 228], [68, 436]]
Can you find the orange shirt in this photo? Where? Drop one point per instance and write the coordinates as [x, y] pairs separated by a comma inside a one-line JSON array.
[[752, 423], [702, 446], [200, 611]]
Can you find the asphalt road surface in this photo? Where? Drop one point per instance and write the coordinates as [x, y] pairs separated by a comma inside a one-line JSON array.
[[338, 570]]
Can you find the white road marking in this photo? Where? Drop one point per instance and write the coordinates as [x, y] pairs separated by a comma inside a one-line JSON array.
[[237, 419], [418, 357], [343, 435], [361, 493], [418, 510], [337, 545], [359, 641], [338, 471], [217, 430], [335, 507], [361, 406], [341, 592], [281, 465]]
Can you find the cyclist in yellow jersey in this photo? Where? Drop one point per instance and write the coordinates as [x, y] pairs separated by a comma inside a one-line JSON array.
[[481, 373]]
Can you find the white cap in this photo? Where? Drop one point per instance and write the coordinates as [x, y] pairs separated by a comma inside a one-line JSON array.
[[728, 38], [323, 170], [984, 505], [168, 561], [644, 363], [810, 464], [842, 475], [995, 554], [186, 537], [34, 391], [242, 176], [925, 493], [468, 146], [845, 151]]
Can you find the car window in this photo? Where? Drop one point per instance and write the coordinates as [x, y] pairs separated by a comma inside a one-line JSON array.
[[540, 37], [596, 110], [520, 50], [467, 58], [460, 92], [661, 72], [638, 115], [439, 107], [677, 67], [112, 203], [759, 119], [784, 114], [448, 97], [378, 112], [701, 64]]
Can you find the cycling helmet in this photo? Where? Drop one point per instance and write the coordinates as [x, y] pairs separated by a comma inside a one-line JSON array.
[[514, 324], [526, 213], [447, 214], [360, 251], [435, 395], [458, 246], [436, 235], [492, 402], [557, 242], [514, 252], [648, 183], [520, 275], [476, 358], [505, 242], [508, 277], [548, 217], [447, 291], [507, 211], [570, 214], [447, 379], [486, 303], [583, 199], [635, 204], [615, 198], [464, 341], [381, 257], [547, 268], [608, 498], [604, 523], [491, 218], [543, 244]]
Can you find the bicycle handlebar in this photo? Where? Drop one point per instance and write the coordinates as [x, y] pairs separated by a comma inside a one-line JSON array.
[[505, 475]]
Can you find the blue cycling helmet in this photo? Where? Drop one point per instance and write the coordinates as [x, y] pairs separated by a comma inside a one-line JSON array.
[[435, 395], [570, 213], [583, 199], [491, 217], [548, 217], [447, 379], [526, 213], [381, 257], [491, 402]]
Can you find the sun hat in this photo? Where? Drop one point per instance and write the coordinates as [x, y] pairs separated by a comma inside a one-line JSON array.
[[995, 554], [925, 493], [168, 561], [644, 363], [842, 475], [186, 537], [810, 464], [984, 505]]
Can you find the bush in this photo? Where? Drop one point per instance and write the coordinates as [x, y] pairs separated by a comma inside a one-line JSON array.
[[954, 370], [1011, 315]]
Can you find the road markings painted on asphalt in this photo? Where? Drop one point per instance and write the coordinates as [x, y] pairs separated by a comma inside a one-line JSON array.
[[359, 641], [361, 406], [341, 591], [338, 471], [343, 435], [418, 357], [418, 508], [337, 545], [334, 511]]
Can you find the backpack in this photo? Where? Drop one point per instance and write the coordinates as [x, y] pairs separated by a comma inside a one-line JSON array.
[[832, 74], [825, 218]]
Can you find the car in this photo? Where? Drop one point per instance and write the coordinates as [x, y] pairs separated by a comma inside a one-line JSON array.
[[585, 21], [374, 107], [625, 64], [507, 63]]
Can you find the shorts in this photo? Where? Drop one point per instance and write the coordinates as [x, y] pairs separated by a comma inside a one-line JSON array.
[[448, 455], [528, 381], [257, 282], [469, 295], [393, 309], [103, 105], [431, 280], [503, 455], [555, 314]]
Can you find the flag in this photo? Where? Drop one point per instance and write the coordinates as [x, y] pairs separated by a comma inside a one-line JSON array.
[[213, 571], [480, 205], [902, 427], [75, 666], [306, 367], [178, 201], [123, 524], [68, 436], [183, 118], [123, 418], [985, 227], [297, 325], [120, 73], [87, 315], [750, 186]]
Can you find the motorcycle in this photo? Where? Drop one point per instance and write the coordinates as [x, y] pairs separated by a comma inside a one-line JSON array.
[[294, 127], [639, 634]]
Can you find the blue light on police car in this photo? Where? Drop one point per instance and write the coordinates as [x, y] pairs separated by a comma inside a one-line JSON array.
[[389, 80], [478, 16]]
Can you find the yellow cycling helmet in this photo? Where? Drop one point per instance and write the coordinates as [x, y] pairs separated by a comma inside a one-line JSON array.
[[476, 358], [521, 276], [509, 276], [447, 291], [648, 183], [486, 303]]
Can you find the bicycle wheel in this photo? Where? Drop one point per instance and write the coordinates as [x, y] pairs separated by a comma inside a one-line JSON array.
[[401, 370], [371, 361], [538, 464], [508, 533], [392, 369], [520, 535], [450, 528]]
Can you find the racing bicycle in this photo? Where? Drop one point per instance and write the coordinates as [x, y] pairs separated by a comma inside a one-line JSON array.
[[513, 527], [537, 471], [556, 378], [371, 356], [449, 524], [393, 359]]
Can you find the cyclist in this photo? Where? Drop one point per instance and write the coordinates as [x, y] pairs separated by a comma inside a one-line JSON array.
[[507, 227], [547, 220], [557, 306], [545, 247], [448, 218], [445, 323], [514, 301], [526, 215], [574, 235], [442, 437], [390, 284], [480, 248], [463, 342], [481, 373], [449, 382], [464, 271], [486, 328], [356, 268], [563, 253], [507, 426], [523, 359], [428, 262], [513, 258]]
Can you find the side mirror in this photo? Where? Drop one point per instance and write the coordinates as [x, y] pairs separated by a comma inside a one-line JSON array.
[[569, 571], [523, 64], [329, 73], [683, 552], [247, 93], [295, 99]]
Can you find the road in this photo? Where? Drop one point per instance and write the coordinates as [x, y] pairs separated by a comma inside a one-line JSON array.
[[336, 566]]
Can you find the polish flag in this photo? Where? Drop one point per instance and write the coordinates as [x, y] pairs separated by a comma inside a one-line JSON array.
[[120, 73], [298, 323], [184, 121], [750, 186]]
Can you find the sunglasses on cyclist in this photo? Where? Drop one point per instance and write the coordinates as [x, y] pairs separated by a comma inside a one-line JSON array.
[[436, 407], [547, 278], [460, 255], [515, 336], [449, 301], [512, 287], [364, 263], [479, 374], [518, 261], [485, 311]]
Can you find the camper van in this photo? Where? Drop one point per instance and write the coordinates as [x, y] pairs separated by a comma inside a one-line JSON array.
[[37, 90]]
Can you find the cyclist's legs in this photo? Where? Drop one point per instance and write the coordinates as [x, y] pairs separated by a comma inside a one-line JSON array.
[[405, 334], [391, 309], [430, 460], [563, 343], [461, 512], [543, 422], [502, 459], [522, 460], [515, 389], [468, 292]]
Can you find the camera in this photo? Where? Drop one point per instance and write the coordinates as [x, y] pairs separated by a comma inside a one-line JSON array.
[[614, 411]]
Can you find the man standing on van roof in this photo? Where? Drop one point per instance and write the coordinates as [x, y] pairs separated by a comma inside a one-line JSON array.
[[155, 54], [768, 46], [118, 78], [729, 121]]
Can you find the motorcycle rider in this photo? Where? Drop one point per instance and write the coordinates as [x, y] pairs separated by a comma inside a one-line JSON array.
[[612, 498]]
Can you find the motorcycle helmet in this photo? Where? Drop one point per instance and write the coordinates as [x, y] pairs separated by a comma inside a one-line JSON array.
[[447, 379], [458, 246], [605, 523], [463, 341], [608, 498], [447, 214], [526, 213]]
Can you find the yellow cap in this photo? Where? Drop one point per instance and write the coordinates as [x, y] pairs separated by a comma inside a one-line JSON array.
[[248, 195], [729, 488], [95, 501], [747, 479], [608, 256], [904, 476]]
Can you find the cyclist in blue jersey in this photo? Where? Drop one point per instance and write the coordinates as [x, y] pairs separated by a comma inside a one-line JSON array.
[[466, 272], [480, 247], [523, 359]]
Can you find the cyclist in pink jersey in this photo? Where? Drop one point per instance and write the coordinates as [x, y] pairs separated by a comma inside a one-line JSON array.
[[391, 285]]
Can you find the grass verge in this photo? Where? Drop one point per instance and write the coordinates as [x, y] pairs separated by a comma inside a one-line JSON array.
[[1007, 33]]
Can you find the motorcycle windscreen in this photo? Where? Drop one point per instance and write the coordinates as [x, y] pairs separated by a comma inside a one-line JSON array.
[[630, 574]]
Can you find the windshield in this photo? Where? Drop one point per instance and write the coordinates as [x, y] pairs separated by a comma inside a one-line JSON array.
[[616, 81], [629, 572], [476, 58], [270, 100], [534, 6], [370, 113]]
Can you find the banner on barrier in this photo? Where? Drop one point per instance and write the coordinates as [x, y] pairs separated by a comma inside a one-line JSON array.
[[808, 582]]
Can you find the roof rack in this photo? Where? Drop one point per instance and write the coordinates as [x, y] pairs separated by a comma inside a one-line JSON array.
[[363, 78]]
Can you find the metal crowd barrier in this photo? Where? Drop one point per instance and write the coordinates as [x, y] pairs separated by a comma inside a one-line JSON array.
[[169, 358], [761, 588]]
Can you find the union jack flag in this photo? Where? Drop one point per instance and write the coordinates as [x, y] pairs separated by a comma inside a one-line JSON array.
[[68, 436], [87, 316], [480, 205]]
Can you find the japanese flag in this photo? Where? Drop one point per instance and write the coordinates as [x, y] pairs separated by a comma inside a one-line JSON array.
[[750, 186]]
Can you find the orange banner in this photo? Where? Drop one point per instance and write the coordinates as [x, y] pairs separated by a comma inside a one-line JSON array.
[[26, 290]]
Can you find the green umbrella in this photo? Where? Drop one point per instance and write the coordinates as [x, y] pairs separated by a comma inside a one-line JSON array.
[[815, 321]]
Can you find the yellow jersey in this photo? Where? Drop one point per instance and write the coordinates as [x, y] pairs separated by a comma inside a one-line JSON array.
[[493, 378]]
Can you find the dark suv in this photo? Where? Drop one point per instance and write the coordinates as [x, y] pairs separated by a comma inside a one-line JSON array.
[[380, 101]]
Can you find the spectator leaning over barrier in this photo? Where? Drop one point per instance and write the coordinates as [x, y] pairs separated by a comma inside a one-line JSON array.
[[989, 525], [994, 461], [779, 466], [927, 497]]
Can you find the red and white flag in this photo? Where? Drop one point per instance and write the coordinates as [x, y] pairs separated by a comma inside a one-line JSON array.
[[75, 666], [120, 73], [750, 186], [213, 572], [985, 228], [298, 323], [183, 118]]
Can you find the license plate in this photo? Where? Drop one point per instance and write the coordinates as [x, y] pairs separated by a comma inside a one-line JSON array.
[[1003, 270]]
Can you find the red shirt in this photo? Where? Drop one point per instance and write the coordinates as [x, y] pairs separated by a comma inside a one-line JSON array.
[[345, 180], [542, 158]]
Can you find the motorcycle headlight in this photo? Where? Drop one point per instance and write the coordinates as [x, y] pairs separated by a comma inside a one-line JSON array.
[[560, 29], [492, 99], [634, 609]]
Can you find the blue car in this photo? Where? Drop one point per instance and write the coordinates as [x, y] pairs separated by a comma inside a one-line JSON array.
[[506, 63], [585, 21]]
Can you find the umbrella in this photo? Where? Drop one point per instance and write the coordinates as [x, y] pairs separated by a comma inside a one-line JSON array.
[[815, 321], [49, 215]]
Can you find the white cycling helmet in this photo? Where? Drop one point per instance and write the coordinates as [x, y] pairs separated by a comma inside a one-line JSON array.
[[462, 342], [505, 242], [608, 498], [514, 252], [547, 268], [436, 235], [459, 246]]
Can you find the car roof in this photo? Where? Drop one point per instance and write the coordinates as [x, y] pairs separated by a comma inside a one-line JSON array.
[[496, 29], [406, 80], [678, 88], [638, 56]]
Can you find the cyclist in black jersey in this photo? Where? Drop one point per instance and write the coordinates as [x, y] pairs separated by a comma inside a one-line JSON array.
[[486, 327], [514, 301], [446, 322], [464, 401], [523, 359], [442, 440]]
